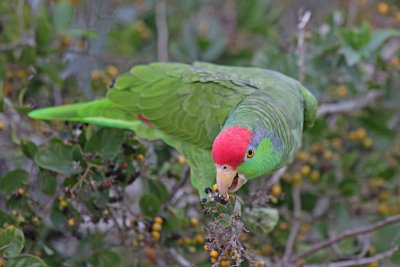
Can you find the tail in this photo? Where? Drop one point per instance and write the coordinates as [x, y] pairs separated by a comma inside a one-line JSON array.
[[100, 112]]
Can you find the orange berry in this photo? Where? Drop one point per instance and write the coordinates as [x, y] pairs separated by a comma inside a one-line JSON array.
[[398, 16], [156, 227], [276, 190], [181, 160], [215, 187], [71, 222], [124, 165], [213, 260], [38, 254], [383, 8], [341, 91], [283, 226], [206, 248], [394, 61], [305, 170], [140, 157], [21, 191], [156, 235], [225, 263], [112, 70], [214, 254], [302, 156], [158, 220], [95, 75], [199, 239], [1, 125]]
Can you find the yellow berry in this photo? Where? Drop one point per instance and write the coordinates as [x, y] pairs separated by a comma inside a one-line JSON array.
[[71, 222], [215, 187], [181, 160], [367, 142], [383, 209], [259, 264], [266, 250], [341, 91], [373, 264], [61, 198], [213, 260], [232, 196], [398, 16], [1, 125], [156, 235], [302, 156], [283, 226], [205, 247], [276, 190], [384, 195], [135, 243], [38, 254], [156, 227], [2, 263], [63, 204], [140, 157], [296, 179], [225, 263], [313, 159], [21, 191], [327, 154], [35, 220], [305, 170], [66, 40], [394, 61], [181, 241], [199, 239], [158, 220], [383, 8], [112, 70], [316, 148], [372, 251], [360, 134], [214, 254], [14, 213], [314, 176], [337, 142], [95, 75], [194, 222], [187, 241], [192, 249]]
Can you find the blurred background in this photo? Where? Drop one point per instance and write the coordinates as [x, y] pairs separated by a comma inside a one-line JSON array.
[[86, 201]]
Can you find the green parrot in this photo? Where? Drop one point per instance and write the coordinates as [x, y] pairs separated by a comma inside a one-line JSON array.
[[231, 124]]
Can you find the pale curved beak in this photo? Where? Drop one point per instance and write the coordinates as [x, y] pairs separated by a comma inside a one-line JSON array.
[[225, 178], [229, 180]]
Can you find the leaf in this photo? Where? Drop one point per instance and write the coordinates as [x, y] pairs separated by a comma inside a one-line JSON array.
[[58, 158], [351, 56], [62, 15], [47, 182], [28, 148], [105, 258], [13, 180], [149, 205], [349, 186], [107, 142], [25, 260], [158, 189], [11, 242], [261, 220], [378, 38]]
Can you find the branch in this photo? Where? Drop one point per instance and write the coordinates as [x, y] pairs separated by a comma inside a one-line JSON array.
[[12, 46], [162, 31], [275, 178], [304, 17], [377, 257], [179, 258], [349, 105], [344, 235], [296, 224]]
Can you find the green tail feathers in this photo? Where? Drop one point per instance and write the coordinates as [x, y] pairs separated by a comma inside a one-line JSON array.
[[100, 112]]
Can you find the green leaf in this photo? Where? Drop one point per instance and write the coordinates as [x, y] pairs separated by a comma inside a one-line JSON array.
[[261, 220], [349, 186], [105, 258], [25, 260], [58, 158], [378, 38], [158, 189], [28, 148], [107, 142], [47, 182], [149, 205], [351, 56], [13, 180], [62, 15], [11, 242]]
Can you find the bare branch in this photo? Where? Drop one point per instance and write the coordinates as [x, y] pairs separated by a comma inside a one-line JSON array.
[[376, 258], [162, 31], [296, 225], [275, 178], [344, 235], [179, 259], [349, 105], [304, 17]]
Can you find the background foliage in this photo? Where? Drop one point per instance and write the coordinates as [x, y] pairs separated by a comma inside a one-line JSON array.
[[80, 195]]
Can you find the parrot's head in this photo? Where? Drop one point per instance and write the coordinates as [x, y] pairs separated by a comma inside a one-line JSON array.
[[239, 154]]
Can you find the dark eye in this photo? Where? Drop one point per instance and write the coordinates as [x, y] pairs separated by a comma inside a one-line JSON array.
[[250, 153]]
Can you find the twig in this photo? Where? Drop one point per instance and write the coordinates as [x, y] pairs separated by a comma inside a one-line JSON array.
[[344, 235], [296, 225], [349, 105], [377, 257], [179, 259], [275, 177], [162, 31], [304, 18], [12, 46]]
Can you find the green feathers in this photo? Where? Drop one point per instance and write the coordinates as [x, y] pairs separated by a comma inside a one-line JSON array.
[[188, 105]]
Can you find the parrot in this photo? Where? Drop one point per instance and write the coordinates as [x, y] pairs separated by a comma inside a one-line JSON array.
[[231, 124]]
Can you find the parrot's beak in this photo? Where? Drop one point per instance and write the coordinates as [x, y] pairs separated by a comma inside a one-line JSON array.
[[228, 180]]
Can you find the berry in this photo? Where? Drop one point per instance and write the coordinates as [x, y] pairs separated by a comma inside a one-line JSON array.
[[71, 222], [158, 220], [214, 254], [194, 222], [156, 227], [156, 235], [21, 191], [215, 187]]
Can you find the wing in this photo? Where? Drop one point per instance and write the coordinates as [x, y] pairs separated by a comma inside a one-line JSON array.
[[183, 101]]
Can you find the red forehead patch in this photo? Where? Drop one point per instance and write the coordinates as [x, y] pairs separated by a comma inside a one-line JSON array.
[[230, 146]]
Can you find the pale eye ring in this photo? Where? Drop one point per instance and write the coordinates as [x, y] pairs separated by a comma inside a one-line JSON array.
[[250, 153]]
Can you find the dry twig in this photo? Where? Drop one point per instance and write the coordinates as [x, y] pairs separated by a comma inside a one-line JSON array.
[[162, 31], [344, 235]]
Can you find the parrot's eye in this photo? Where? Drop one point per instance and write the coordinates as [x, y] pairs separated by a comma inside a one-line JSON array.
[[250, 153]]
